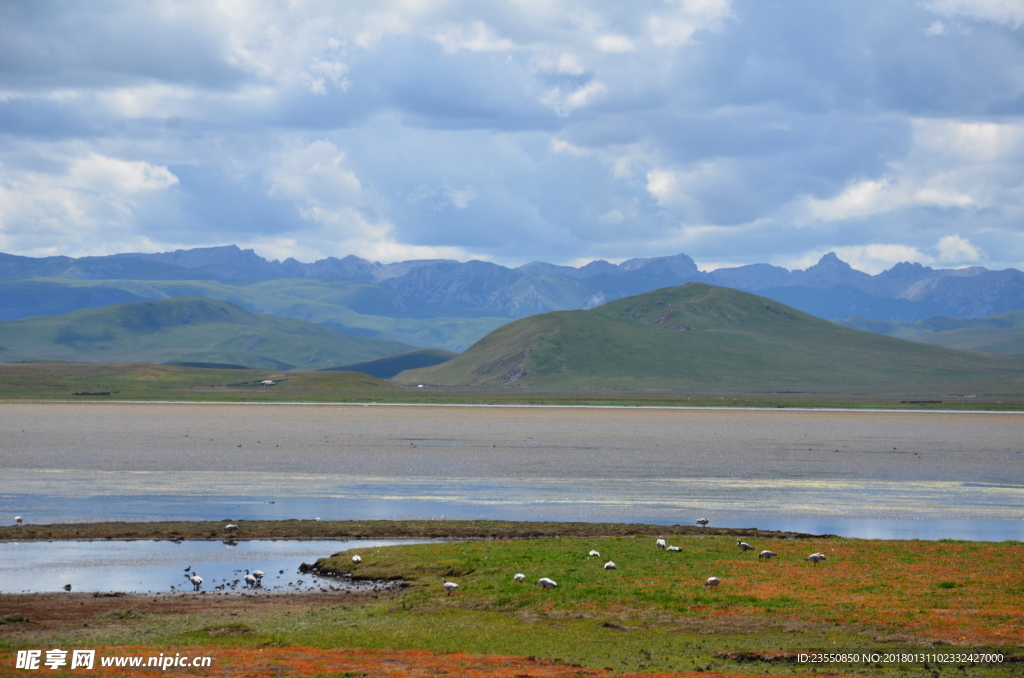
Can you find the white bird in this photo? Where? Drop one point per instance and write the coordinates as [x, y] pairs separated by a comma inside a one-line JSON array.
[[18, 520], [673, 548], [250, 580], [816, 558], [610, 565], [744, 546], [703, 522], [259, 574], [356, 560], [546, 583], [594, 553], [712, 582], [660, 543], [231, 527], [519, 577], [766, 554], [196, 580], [449, 586]]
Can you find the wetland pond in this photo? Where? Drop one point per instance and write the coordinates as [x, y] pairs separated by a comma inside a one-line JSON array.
[[143, 566]]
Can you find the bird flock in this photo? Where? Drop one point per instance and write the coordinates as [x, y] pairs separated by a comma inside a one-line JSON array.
[[711, 582]]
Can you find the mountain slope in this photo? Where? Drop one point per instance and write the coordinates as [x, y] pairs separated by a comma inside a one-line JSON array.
[[999, 333], [185, 330], [703, 337]]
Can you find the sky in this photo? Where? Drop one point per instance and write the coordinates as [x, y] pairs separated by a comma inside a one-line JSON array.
[[734, 131]]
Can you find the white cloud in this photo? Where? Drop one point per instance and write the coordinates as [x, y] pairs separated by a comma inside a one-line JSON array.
[[1010, 12], [474, 37], [955, 249], [565, 101], [87, 205], [314, 174], [685, 18], [614, 44]]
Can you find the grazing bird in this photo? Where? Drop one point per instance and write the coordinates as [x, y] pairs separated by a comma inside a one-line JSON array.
[[816, 558], [610, 565], [231, 527], [250, 581], [259, 574], [546, 583], [673, 548], [744, 546], [18, 520], [766, 554], [67, 587], [712, 582], [197, 581], [703, 522], [356, 560], [660, 543], [449, 586], [520, 577], [594, 553]]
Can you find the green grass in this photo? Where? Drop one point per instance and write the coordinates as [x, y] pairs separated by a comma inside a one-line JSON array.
[[650, 614]]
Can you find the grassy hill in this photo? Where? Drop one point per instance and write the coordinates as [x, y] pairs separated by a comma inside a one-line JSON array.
[[699, 337], [999, 333], [188, 330], [356, 309]]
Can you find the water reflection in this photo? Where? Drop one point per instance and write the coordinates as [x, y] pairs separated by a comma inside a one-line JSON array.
[[159, 566]]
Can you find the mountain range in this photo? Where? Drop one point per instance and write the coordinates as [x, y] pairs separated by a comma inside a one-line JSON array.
[[450, 304]]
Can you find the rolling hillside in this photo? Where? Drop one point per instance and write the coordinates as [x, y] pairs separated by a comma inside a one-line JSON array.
[[187, 330], [708, 338]]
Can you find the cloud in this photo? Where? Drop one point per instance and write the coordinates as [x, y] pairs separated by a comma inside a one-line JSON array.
[[741, 131]]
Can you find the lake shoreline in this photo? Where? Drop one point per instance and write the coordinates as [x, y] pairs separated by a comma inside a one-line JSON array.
[[364, 529]]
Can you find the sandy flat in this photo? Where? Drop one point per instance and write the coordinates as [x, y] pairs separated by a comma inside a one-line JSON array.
[[497, 442]]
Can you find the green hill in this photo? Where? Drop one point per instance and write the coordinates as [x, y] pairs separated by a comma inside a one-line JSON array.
[[186, 330], [701, 337]]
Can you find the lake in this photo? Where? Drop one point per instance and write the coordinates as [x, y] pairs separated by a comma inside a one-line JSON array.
[[921, 475]]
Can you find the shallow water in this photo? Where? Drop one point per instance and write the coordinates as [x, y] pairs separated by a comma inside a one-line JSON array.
[[862, 474], [159, 566]]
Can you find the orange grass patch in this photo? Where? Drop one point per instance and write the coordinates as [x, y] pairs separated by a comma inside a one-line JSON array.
[[956, 592], [271, 662]]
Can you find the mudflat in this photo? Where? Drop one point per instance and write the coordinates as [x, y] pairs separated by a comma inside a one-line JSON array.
[[512, 442]]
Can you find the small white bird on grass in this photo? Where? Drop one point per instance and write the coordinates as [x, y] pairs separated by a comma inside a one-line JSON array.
[[231, 527], [610, 565], [520, 577], [660, 543], [449, 586], [356, 560], [744, 546], [18, 520], [673, 548], [766, 554], [816, 558], [712, 583], [197, 581], [546, 583], [594, 553], [250, 581]]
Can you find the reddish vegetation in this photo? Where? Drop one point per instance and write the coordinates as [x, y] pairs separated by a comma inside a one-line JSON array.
[[268, 662]]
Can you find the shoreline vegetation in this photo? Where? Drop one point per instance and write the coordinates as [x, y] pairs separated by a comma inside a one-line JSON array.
[[365, 529], [98, 382], [650, 616]]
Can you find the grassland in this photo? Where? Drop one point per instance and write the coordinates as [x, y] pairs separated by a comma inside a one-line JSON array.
[[649, 615], [58, 381]]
